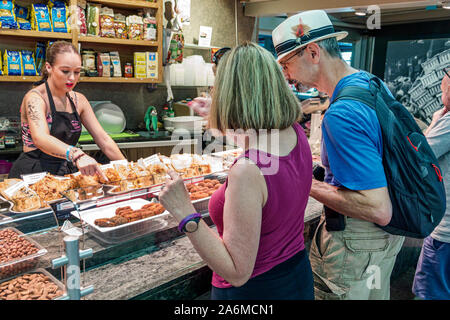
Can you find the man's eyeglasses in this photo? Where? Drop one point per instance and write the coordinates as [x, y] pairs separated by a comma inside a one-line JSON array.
[[446, 71], [284, 63]]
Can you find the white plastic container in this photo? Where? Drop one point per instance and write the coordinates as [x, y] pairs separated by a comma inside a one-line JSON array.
[[201, 75], [110, 117], [179, 75], [191, 124]]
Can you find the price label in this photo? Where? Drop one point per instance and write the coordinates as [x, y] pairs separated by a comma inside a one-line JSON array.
[[13, 189], [119, 162], [33, 178], [154, 159]]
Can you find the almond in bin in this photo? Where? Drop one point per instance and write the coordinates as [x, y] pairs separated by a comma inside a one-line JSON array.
[[126, 215], [13, 246], [30, 286]]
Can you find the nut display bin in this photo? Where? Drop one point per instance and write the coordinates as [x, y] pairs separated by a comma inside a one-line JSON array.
[[16, 266]]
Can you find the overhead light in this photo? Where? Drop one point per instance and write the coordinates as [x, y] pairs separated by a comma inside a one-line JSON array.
[[446, 4], [360, 12]]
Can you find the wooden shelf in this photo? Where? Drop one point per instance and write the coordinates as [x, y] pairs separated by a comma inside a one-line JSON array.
[[196, 46], [19, 78], [35, 34], [129, 4], [118, 80], [118, 41], [24, 37]]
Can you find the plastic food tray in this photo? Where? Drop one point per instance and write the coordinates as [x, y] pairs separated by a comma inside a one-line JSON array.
[[16, 266], [11, 207], [60, 285], [201, 205], [125, 231], [86, 194]]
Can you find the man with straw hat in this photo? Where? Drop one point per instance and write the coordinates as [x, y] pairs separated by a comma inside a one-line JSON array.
[[351, 257]]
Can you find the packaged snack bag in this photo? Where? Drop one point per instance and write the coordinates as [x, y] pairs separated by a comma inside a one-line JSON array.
[[104, 64], [93, 19], [56, 3], [150, 26], [59, 16], [135, 27], [40, 18], [120, 26], [115, 62], [7, 15], [28, 66], [21, 12], [81, 22], [107, 23], [13, 63], [40, 56], [22, 16]]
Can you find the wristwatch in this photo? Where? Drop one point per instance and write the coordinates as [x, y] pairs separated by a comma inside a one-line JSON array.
[[190, 223]]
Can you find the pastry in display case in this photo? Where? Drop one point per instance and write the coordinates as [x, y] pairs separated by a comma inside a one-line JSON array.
[[124, 220]]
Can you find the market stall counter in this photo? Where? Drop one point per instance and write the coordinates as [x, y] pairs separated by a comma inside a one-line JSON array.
[[138, 252], [160, 265]]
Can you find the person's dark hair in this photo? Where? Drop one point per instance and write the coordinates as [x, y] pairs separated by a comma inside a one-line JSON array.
[[58, 47], [219, 54], [331, 46]]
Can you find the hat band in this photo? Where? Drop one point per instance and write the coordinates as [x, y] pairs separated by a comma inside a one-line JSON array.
[[290, 44]]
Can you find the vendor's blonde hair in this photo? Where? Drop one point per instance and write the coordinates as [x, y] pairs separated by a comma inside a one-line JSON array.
[[250, 92]]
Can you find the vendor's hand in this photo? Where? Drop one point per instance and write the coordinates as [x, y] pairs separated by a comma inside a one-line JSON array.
[[201, 105], [175, 197], [89, 167]]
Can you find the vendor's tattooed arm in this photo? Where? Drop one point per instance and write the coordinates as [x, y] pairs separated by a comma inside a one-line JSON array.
[[40, 133], [34, 110]]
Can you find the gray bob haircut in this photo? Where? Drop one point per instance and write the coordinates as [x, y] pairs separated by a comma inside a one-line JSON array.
[[250, 92]]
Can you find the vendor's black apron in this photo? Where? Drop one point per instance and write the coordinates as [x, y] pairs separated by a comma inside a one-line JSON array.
[[65, 127]]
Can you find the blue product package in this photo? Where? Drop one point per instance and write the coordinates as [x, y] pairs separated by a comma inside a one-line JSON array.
[[41, 17], [21, 12], [59, 18], [40, 56], [28, 66], [22, 16], [13, 63], [24, 24], [7, 16]]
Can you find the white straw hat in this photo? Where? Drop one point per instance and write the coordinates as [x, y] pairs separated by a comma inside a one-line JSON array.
[[303, 28]]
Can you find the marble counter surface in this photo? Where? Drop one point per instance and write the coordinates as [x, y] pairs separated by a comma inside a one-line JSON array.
[[152, 263]]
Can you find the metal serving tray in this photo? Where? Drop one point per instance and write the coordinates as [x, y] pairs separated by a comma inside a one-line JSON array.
[[125, 231]]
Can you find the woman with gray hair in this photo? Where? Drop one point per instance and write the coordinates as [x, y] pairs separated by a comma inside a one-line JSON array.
[[258, 251]]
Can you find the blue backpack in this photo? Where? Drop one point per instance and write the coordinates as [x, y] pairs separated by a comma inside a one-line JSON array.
[[414, 179]]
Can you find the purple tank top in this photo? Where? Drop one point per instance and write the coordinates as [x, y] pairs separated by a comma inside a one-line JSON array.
[[283, 214]]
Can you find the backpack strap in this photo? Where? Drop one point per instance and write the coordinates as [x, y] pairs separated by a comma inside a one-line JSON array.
[[366, 96]]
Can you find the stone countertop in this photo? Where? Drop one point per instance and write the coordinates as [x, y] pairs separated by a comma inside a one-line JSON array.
[[129, 269]]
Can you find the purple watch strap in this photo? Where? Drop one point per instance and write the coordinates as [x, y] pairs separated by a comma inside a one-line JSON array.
[[187, 219]]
